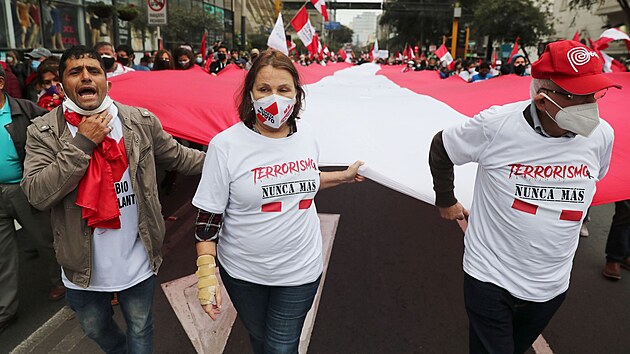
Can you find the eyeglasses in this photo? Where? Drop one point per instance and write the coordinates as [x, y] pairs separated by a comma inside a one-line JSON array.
[[572, 97]]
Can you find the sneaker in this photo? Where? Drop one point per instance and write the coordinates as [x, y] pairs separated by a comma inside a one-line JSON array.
[[584, 230], [612, 271], [625, 263]]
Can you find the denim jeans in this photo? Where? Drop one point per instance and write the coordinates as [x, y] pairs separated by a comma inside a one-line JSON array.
[[618, 243], [501, 323], [273, 315], [95, 314]]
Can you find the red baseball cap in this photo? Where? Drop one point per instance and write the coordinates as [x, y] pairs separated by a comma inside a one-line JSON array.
[[574, 67]]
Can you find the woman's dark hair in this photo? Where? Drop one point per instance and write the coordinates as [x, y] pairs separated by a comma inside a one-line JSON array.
[[277, 60], [49, 65], [78, 52], [158, 64], [183, 51]]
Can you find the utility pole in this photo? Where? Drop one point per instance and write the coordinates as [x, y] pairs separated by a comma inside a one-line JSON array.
[[243, 27], [457, 13]]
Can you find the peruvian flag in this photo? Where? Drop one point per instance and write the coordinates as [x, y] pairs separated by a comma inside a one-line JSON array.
[[326, 51], [342, 54], [609, 35], [305, 31], [291, 45], [514, 49], [576, 36], [203, 47], [445, 56], [408, 52], [374, 51], [493, 64], [320, 5]]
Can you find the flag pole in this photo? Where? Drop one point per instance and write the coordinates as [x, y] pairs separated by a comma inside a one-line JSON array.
[[289, 23]]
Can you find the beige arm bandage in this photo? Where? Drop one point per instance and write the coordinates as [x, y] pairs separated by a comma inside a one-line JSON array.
[[207, 280]]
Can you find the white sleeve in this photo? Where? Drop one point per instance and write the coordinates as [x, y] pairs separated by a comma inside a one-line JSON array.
[[605, 157], [214, 188], [465, 143]]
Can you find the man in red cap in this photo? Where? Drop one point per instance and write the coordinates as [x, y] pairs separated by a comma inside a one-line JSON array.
[[538, 167]]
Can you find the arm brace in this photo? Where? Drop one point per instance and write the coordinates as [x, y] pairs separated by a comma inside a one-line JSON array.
[[207, 226], [207, 280]]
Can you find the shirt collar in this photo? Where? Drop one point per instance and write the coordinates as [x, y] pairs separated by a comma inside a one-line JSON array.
[[538, 125], [6, 109]]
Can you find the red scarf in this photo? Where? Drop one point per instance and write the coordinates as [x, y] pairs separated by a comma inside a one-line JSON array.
[[96, 195]]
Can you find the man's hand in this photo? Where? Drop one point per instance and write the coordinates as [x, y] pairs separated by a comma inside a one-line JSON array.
[[454, 212], [96, 127]]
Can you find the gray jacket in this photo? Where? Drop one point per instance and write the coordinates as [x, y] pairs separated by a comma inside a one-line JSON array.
[[56, 162]]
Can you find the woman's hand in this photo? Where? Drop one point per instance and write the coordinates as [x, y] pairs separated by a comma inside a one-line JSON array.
[[214, 309], [351, 174]]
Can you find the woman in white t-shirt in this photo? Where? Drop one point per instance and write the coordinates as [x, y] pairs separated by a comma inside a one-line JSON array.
[[256, 196]]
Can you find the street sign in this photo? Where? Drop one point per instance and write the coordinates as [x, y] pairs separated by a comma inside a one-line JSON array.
[[332, 26], [157, 12]]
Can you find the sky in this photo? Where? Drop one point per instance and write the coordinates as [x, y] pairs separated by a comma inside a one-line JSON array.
[[346, 16]]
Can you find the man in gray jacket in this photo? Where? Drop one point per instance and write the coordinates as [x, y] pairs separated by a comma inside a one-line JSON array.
[[92, 162]]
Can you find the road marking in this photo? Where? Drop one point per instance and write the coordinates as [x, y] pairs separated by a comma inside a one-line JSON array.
[[37, 337], [540, 345]]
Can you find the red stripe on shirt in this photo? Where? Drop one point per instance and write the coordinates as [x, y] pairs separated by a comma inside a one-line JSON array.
[[272, 207], [305, 203], [571, 215], [524, 206]]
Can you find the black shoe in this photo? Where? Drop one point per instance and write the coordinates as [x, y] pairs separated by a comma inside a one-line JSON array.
[[6, 323]]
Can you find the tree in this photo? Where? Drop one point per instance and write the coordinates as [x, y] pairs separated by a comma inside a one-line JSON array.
[[588, 4], [339, 37], [506, 20], [187, 25]]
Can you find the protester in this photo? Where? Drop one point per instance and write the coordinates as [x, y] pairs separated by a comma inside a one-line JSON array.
[[17, 67], [184, 58], [270, 246], [199, 59], [126, 57], [519, 65], [618, 243], [48, 76], [113, 66], [163, 61], [11, 84], [253, 54], [483, 74], [36, 57], [236, 59], [221, 62], [103, 199], [15, 116], [469, 72], [536, 178], [146, 63]]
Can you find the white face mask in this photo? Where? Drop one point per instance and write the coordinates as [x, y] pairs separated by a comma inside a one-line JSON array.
[[471, 70], [273, 110], [580, 119], [69, 104]]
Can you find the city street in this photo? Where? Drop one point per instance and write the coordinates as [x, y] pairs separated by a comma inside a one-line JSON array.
[[394, 285]]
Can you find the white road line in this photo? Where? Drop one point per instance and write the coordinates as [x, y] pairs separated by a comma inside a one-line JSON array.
[[37, 337]]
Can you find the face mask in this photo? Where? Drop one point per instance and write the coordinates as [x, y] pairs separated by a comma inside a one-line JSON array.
[[519, 69], [222, 56], [108, 61], [124, 61], [198, 61], [10, 60], [150, 65], [184, 64], [35, 64], [69, 104], [580, 119], [471, 70], [273, 110]]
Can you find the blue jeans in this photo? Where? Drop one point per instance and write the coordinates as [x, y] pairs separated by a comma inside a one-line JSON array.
[[95, 314], [273, 315], [618, 243], [500, 323]]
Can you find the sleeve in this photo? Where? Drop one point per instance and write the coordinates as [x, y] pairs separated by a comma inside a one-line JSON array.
[[214, 187], [466, 142], [442, 172], [606, 156]]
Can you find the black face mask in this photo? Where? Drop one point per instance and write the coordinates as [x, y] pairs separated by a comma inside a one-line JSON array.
[[222, 56], [519, 69], [254, 56], [123, 61], [108, 61]]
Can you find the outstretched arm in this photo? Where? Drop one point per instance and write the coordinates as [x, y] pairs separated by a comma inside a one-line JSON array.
[[349, 175]]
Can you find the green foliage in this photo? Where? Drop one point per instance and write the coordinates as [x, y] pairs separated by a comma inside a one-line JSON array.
[[414, 22], [505, 20], [187, 25], [258, 40], [337, 38], [588, 5]]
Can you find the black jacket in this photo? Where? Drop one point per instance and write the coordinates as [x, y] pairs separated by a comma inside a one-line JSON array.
[[22, 112]]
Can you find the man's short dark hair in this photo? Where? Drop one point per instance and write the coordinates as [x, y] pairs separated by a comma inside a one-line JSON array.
[[78, 52], [224, 47], [100, 45], [484, 65], [125, 48], [145, 59]]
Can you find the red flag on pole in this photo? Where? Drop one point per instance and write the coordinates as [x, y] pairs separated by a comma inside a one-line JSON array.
[[302, 25], [320, 5], [514, 49], [576, 36], [203, 47], [445, 56]]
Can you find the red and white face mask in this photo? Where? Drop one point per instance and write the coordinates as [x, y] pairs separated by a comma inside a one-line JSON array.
[[273, 110]]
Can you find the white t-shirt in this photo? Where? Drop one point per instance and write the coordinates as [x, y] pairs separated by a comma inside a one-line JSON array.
[[465, 75], [119, 260], [265, 188], [531, 195], [120, 69]]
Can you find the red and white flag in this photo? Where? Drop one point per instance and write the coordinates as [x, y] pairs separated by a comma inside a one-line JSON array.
[[291, 45], [514, 49], [320, 5], [326, 51], [277, 39], [342, 54], [305, 31], [408, 52], [609, 35], [612, 65], [445, 56]]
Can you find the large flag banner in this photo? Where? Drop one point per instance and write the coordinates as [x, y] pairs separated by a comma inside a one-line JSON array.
[[320, 5], [277, 39], [374, 52], [305, 31]]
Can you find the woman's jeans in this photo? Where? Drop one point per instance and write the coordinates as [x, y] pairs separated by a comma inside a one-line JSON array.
[[273, 315], [94, 312]]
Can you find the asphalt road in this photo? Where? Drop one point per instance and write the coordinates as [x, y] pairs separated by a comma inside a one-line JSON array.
[[394, 285]]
